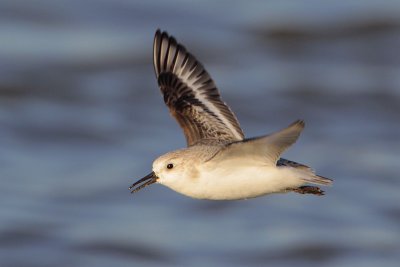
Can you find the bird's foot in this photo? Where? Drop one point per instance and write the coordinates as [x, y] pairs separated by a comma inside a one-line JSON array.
[[309, 190]]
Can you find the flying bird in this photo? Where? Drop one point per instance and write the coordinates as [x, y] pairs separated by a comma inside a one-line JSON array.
[[219, 163]]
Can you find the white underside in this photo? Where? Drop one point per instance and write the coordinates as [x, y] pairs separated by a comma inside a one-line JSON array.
[[231, 181]]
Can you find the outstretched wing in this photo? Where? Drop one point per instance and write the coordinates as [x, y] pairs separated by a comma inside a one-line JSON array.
[[266, 149], [191, 94]]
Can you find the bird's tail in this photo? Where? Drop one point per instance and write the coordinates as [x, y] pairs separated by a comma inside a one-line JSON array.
[[317, 179], [308, 176], [304, 172]]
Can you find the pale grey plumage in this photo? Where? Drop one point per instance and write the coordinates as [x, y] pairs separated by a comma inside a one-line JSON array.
[[266, 148]]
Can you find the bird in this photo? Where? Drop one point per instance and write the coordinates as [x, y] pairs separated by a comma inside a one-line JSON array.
[[219, 163]]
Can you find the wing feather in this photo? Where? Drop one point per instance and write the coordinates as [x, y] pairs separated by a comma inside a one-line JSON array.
[[191, 95], [266, 149]]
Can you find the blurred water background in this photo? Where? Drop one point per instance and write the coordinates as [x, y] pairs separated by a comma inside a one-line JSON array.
[[81, 118]]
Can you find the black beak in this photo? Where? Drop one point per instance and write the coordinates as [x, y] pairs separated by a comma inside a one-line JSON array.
[[142, 183]]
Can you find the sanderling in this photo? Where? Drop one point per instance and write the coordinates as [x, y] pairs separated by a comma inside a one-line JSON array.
[[218, 163]]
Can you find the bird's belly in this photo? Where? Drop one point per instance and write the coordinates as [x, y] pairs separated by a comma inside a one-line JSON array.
[[241, 183]]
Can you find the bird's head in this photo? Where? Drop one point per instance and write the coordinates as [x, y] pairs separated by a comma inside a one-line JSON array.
[[172, 170]]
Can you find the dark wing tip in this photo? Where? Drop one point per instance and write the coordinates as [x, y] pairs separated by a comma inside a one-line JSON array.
[[159, 34], [299, 123], [165, 50], [159, 38]]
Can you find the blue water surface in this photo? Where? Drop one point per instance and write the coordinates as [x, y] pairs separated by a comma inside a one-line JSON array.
[[81, 118]]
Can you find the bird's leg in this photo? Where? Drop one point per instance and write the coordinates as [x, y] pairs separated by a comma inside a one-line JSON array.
[[308, 190]]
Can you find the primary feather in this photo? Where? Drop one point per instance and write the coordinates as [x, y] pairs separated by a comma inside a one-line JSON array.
[[191, 95]]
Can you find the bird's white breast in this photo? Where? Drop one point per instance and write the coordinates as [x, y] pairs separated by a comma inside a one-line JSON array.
[[237, 180]]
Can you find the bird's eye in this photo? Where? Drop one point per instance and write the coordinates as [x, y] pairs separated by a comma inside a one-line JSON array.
[[170, 166]]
